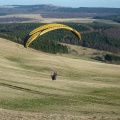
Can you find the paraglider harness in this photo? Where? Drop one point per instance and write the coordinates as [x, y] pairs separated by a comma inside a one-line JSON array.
[[54, 76]]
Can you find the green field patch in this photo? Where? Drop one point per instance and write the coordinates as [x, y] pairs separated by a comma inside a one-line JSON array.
[[18, 86], [71, 105], [14, 59], [108, 93]]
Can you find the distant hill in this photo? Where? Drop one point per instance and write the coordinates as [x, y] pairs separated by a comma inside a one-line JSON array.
[[58, 9]]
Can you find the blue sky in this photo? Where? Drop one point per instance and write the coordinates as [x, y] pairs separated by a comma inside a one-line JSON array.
[[67, 3]]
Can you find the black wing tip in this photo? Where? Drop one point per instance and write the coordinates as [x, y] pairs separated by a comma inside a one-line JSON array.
[[26, 39]]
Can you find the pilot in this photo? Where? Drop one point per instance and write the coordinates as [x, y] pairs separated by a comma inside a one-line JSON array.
[[54, 76]]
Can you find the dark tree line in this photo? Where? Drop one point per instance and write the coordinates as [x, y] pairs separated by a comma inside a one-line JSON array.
[[50, 46], [97, 41], [112, 58], [115, 18], [14, 19]]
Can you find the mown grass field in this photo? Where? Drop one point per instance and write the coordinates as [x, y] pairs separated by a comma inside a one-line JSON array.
[[86, 89], [39, 18]]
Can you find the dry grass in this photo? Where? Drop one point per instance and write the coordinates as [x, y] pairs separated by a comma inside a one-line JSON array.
[[73, 20], [83, 89], [18, 115]]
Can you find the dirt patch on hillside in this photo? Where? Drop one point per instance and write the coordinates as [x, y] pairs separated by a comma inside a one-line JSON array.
[[22, 115]]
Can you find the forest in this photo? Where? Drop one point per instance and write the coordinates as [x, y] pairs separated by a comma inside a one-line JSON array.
[[95, 35], [115, 18]]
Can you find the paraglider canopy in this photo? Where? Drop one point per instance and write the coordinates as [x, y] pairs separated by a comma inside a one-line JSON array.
[[46, 28]]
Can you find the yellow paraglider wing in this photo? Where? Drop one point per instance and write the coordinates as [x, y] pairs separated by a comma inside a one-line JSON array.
[[41, 28], [33, 37], [46, 28], [67, 28]]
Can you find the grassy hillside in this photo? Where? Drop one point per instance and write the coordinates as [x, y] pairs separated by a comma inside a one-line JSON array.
[[85, 89]]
